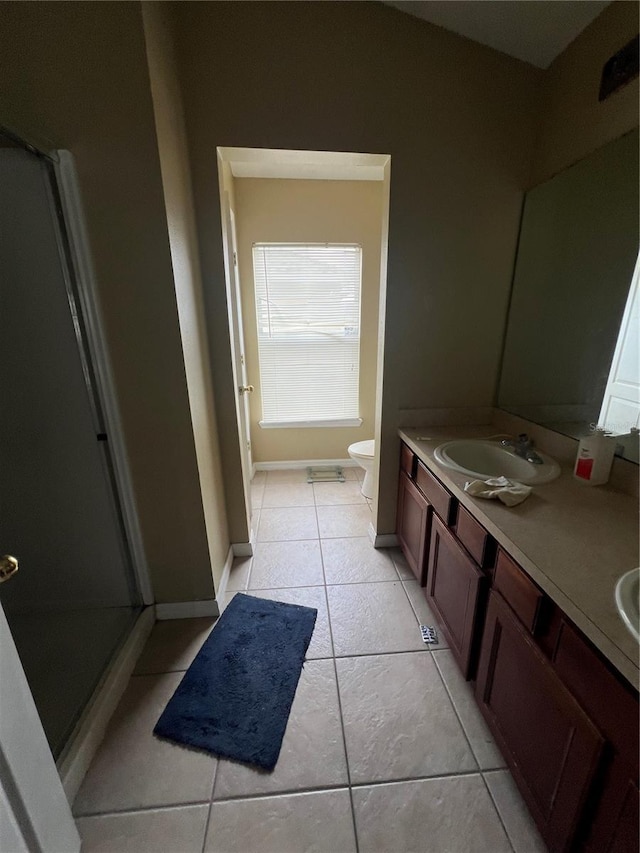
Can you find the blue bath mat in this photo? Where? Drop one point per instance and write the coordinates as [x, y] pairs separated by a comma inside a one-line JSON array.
[[235, 698]]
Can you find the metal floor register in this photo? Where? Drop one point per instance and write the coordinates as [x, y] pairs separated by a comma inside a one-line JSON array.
[[326, 474]]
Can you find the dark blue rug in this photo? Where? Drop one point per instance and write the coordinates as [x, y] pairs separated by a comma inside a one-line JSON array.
[[235, 698]]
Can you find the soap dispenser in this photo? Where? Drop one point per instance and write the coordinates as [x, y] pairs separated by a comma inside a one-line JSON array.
[[594, 459]]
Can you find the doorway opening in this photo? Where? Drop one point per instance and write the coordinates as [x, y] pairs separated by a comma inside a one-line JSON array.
[[277, 205]]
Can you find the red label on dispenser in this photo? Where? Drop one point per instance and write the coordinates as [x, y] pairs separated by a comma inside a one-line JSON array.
[[584, 468]]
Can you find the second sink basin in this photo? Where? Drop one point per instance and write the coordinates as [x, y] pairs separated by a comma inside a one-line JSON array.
[[628, 600], [483, 459]]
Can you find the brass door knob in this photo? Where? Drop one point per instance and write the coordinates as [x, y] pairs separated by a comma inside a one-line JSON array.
[[8, 567], [246, 389]]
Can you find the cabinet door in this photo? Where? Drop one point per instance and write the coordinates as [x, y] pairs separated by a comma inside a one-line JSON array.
[[413, 520], [455, 586], [551, 746], [611, 823], [624, 836]]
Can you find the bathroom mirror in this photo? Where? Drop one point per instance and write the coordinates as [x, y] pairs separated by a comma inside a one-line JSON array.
[[573, 279]]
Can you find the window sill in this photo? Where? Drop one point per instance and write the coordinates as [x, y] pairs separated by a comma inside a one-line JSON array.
[[338, 422]]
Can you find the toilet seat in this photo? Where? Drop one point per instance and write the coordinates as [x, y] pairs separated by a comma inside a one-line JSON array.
[[363, 448]]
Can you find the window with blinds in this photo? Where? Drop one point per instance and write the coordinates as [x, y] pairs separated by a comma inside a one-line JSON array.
[[308, 316]]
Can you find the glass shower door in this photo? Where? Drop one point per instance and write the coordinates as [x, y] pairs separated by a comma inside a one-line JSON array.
[[74, 598]]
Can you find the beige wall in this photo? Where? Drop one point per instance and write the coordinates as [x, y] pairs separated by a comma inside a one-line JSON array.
[[74, 75], [573, 122], [174, 161], [457, 120], [311, 211]]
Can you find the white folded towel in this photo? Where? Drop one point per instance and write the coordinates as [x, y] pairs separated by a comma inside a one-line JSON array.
[[504, 490]]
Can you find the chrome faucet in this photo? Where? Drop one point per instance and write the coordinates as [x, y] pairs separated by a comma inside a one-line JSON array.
[[523, 447]]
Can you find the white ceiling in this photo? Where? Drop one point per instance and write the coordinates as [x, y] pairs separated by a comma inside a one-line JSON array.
[[535, 31]]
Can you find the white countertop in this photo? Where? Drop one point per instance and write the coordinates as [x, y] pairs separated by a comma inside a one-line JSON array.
[[573, 540]]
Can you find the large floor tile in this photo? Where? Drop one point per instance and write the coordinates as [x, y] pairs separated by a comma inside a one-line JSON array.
[[372, 618], [257, 494], [285, 524], [424, 614], [398, 719], [338, 521], [318, 822], [521, 829], [312, 754], [402, 567], [450, 815], [482, 743], [309, 596], [355, 560], [173, 645], [177, 830], [288, 494], [133, 769], [282, 564], [239, 574], [336, 494]]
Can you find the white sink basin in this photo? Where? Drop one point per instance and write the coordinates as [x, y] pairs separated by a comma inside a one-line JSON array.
[[482, 459], [628, 600]]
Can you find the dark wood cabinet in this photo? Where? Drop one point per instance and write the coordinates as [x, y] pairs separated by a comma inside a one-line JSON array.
[[455, 590], [611, 818], [413, 525], [622, 835], [565, 720], [552, 747]]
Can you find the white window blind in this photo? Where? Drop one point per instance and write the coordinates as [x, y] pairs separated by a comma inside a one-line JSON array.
[[308, 313]]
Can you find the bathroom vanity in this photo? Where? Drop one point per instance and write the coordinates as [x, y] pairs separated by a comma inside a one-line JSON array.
[[525, 597]]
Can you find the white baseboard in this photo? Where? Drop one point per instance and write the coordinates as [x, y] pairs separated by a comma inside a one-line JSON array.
[[187, 609], [382, 540], [91, 727], [242, 549], [305, 463]]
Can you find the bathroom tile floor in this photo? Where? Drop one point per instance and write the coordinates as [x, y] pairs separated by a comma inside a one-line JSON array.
[[384, 751]]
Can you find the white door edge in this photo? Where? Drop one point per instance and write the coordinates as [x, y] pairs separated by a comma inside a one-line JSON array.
[[32, 793]]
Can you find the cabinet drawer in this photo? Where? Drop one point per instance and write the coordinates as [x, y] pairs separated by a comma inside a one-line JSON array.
[[522, 594], [475, 539], [443, 503], [406, 460]]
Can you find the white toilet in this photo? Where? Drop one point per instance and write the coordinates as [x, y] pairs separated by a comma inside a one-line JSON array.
[[363, 453]]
